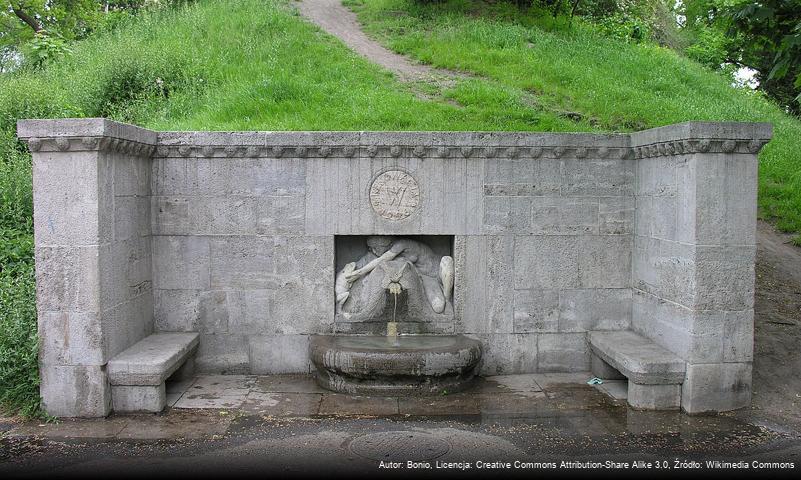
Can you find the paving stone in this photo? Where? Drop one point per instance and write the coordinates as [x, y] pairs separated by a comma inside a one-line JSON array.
[[287, 384], [524, 384], [338, 404], [457, 404], [282, 404]]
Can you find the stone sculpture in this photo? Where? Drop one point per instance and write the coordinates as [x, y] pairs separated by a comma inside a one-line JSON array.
[[361, 286]]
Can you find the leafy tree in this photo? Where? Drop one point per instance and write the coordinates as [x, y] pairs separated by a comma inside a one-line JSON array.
[[763, 35]]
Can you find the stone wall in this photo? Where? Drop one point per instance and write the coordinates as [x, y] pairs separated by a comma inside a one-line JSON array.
[[694, 254], [553, 235], [91, 183]]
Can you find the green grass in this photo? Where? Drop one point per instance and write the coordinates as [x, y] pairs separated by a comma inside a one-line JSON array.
[[212, 65], [255, 65], [616, 86]]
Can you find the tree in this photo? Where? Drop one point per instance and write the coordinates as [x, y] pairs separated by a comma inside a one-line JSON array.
[[771, 33], [764, 35]]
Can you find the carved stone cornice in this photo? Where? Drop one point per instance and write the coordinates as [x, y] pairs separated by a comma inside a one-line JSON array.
[[391, 151], [691, 146], [88, 144]]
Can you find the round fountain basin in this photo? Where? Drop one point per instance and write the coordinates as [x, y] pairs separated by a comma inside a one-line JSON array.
[[390, 366]]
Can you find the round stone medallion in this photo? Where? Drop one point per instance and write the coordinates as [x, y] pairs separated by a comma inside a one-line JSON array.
[[400, 446], [394, 195]]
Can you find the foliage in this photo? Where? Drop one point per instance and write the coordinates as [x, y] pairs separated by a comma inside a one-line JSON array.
[[763, 35], [614, 86]]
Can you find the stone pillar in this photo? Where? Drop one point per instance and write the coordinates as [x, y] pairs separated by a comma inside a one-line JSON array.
[[91, 184], [694, 253]]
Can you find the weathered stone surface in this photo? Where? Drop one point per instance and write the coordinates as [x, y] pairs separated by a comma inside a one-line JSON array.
[[716, 387], [152, 360], [138, 398], [392, 366], [562, 352], [75, 391], [279, 354], [654, 397], [594, 309], [504, 354], [181, 262], [636, 357], [536, 311]]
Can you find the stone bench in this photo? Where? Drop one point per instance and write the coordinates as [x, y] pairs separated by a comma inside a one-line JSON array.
[[654, 374], [137, 375]]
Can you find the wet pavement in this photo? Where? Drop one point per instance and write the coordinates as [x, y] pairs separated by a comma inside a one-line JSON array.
[[248, 425]]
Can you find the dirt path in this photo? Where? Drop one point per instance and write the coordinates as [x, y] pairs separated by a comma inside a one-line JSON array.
[[340, 22], [777, 327]]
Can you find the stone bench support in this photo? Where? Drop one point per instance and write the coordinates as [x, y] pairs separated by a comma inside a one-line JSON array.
[[655, 375], [138, 374]]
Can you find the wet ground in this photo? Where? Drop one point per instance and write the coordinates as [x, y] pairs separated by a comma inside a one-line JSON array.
[[249, 424]]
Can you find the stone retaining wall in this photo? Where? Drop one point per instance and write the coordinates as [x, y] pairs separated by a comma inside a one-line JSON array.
[[233, 235]]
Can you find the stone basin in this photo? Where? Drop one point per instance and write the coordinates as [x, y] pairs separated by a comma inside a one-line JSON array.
[[392, 366]]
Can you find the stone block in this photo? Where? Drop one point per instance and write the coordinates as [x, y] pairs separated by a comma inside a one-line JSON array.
[[564, 215], [616, 215], [505, 354], [75, 391], [546, 262], [656, 176], [71, 338], [724, 277], [506, 214], [522, 177], [317, 315], [594, 309], [125, 269], [181, 262], [654, 397], [604, 261], [66, 198], [666, 323], [656, 216], [248, 311], [588, 177], [271, 354], [499, 299], [131, 175], [213, 312], [280, 215], [243, 262], [664, 268], [639, 359], [127, 323], [725, 204], [562, 352], [176, 310], [152, 360], [223, 353], [310, 257], [716, 387], [603, 370], [67, 278], [536, 311], [131, 217], [138, 398]]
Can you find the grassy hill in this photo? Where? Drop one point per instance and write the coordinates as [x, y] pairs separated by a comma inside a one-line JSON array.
[[256, 65]]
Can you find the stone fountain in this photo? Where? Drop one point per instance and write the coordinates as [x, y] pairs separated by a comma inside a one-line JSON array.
[[395, 272]]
